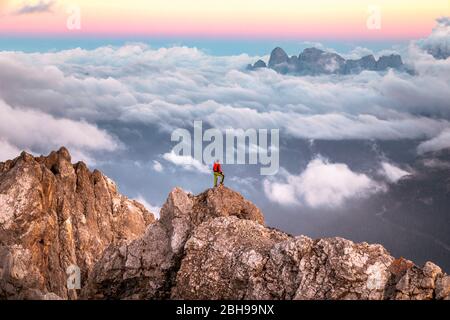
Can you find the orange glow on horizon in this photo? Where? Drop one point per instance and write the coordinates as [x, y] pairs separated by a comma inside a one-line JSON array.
[[324, 19]]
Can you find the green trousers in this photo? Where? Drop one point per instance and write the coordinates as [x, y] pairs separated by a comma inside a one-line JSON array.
[[216, 175]]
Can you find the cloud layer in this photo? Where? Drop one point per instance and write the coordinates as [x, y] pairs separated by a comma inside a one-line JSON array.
[[170, 87], [321, 184], [438, 43], [33, 130], [442, 141]]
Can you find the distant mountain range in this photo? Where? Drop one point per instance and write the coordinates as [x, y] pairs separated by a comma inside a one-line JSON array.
[[313, 61]]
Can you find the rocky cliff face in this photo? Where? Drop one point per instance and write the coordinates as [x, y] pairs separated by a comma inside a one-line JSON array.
[[54, 214], [257, 65], [210, 246], [215, 246], [277, 57], [147, 267]]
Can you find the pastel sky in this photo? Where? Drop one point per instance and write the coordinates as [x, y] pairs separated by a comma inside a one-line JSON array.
[[289, 19]]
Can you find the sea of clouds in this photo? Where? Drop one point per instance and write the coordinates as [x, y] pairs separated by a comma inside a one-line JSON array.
[[59, 98]]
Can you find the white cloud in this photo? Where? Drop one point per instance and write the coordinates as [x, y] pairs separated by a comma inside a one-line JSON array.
[[8, 151], [153, 209], [442, 141], [391, 172], [321, 184], [282, 193], [186, 162], [438, 42], [157, 166], [436, 163], [24, 129]]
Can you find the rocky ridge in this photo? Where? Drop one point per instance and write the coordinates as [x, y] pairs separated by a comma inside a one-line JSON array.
[[214, 245], [55, 214]]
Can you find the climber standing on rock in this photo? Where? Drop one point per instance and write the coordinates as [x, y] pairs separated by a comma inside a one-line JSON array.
[[218, 172]]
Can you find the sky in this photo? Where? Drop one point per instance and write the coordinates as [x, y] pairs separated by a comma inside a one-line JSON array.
[[209, 24]]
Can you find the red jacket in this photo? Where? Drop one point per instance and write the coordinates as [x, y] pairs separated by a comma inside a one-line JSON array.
[[217, 168]]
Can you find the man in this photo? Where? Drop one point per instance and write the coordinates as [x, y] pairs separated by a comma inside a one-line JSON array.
[[218, 172]]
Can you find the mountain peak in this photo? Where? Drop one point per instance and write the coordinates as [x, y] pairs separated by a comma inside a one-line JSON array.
[[258, 64], [313, 51], [54, 211], [277, 56]]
